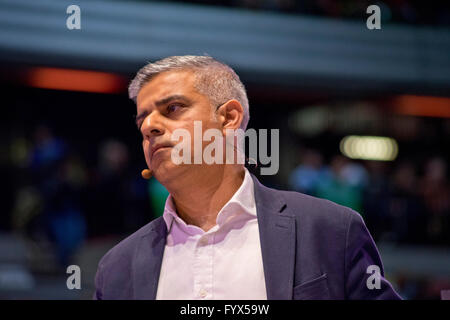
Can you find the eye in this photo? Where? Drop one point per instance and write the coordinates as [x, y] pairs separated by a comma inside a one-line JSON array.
[[173, 107]]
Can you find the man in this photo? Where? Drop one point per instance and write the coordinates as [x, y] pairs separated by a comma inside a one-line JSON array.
[[223, 235]]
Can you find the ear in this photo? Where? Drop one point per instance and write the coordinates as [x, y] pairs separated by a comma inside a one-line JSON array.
[[232, 114]]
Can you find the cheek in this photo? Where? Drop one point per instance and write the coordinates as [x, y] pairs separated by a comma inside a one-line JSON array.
[[146, 149]]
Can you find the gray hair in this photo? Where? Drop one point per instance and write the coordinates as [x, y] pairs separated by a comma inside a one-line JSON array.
[[214, 79]]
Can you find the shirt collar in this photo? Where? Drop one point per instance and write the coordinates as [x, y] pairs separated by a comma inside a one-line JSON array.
[[242, 201]]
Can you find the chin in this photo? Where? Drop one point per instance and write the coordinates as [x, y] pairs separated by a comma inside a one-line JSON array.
[[167, 171]]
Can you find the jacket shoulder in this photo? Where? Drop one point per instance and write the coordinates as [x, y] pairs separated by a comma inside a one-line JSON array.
[[310, 209], [115, 269], [125, 249]]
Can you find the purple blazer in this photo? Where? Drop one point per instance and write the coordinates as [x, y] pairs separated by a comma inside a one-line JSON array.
[[311, 248]]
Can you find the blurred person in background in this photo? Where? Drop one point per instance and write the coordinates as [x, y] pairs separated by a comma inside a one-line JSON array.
[[376, 199], [406, 210], [64, 213], [435, 191], [108, 196], [306, 176], [117, 197], [342, 183], [48, 206]]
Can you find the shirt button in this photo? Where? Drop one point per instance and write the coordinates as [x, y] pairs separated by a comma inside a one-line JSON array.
[[203, 293]]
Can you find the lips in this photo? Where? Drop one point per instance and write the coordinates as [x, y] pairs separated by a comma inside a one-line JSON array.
[[157, 147]]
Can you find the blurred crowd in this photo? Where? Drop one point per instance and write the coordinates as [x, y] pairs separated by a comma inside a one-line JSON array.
[[59, 200], [398, 11], [401, 202]]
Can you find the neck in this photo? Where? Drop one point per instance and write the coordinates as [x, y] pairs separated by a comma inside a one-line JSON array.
[[200, 195]]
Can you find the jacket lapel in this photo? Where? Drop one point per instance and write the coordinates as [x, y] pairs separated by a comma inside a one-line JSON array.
[[277, 236], [147, 261]]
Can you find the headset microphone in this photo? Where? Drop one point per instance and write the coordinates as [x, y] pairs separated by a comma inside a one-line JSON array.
[[146, 174]]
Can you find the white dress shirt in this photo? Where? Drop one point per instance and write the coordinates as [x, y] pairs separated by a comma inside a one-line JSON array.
[[223, 263]]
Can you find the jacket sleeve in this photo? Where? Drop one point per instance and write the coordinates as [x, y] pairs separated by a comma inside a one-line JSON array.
[[364, 273]]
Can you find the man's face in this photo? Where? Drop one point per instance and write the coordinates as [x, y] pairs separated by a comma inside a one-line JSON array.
[[166, 103]]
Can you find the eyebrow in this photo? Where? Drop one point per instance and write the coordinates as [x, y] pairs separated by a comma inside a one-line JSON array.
[[162, 102]]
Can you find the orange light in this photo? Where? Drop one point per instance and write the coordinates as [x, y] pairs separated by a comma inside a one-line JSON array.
[[422, 106], [75, 80]]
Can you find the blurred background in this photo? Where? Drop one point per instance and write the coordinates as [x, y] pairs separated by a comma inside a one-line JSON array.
[[364, 119]]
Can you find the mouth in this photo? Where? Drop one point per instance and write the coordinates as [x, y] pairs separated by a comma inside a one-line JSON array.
[[157, 149]]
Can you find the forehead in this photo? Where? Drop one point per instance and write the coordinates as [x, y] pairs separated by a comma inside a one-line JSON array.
[[167, 83]]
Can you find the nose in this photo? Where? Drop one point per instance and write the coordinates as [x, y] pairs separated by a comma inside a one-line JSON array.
[[153, 125]]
